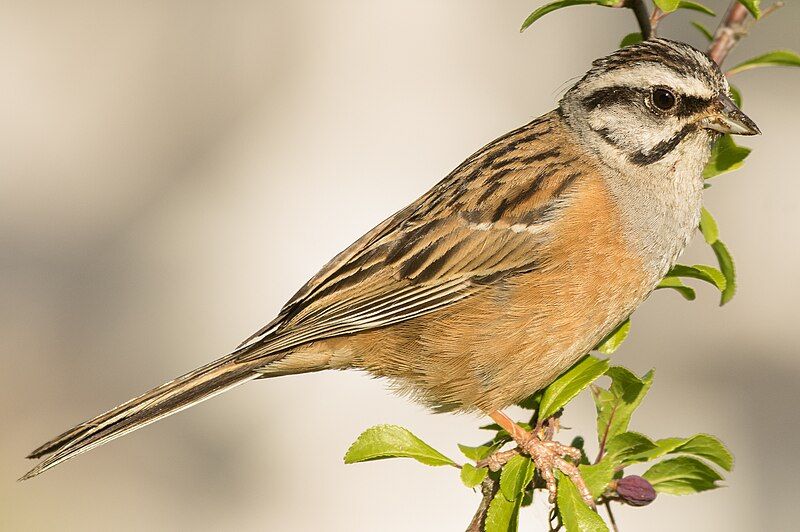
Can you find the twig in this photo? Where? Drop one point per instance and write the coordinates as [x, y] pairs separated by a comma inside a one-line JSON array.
[[771, 9], [730, 30], [611, 516], [642, 16], [655, 18], [554, 516], [733, 27], [489, 488]]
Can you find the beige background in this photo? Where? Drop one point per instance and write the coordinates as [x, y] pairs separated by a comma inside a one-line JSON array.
[[171, 172]]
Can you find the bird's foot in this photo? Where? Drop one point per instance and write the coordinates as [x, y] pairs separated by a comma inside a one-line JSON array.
[[547, 455]]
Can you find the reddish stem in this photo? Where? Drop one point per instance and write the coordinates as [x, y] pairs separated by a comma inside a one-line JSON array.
[[730, 30]]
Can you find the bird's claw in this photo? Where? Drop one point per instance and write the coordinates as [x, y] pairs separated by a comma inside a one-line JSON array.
[[548, 456], [546, 453]]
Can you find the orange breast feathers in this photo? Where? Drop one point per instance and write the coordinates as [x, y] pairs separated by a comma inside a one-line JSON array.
[[504, 343]]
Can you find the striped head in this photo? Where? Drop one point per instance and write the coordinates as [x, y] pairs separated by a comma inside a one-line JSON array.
[[653, 104]]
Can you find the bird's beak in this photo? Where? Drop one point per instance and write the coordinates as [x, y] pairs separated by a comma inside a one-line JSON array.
[[727, 118]]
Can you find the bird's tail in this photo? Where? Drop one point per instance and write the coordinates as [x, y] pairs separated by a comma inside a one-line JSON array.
[[173, 396]]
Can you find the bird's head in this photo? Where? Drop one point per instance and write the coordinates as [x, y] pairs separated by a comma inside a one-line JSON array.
[[653, 103]]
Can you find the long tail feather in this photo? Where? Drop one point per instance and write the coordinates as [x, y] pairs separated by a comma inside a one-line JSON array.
[[169, 398]]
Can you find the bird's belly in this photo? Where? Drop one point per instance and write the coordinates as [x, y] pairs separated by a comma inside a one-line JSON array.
[[504, 343]]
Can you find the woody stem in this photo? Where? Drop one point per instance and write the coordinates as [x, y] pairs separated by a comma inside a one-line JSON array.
[[730, 30]]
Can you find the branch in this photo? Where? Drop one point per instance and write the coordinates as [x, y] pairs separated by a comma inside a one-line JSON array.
[[642, 17], [733, 27], [655, 18], [489, 488], [730, 30], [611, 516]]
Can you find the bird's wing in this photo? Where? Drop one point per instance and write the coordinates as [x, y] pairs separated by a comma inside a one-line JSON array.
[[489, 219]]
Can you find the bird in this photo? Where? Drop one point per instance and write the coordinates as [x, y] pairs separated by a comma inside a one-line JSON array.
[[507, 271]]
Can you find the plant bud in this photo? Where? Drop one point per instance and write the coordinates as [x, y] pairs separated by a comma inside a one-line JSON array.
[[635, 490]]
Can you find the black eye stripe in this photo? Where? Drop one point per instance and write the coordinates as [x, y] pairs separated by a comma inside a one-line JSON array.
[[607, 96], [611, 96], [690, 105]]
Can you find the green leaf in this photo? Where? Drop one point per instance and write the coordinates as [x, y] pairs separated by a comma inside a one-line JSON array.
[[753, 6], [515, 477], [682, 476], [502, 515], [611, 343], [532, 401], [700, 445], [392, 441], [667, 6], [705, 31], [708, 226], [553, 6], [726, 156], [570, 384], [597, 476], [676, 284], [616, 405], [479, 452], [774, 58], [629, 447], [471, 476], [575, 514], [736, 96], [728, 270], [629, 39], [694, 6], [702, 272]]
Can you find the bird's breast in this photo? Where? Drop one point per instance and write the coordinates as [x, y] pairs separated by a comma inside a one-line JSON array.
[[515, 337]]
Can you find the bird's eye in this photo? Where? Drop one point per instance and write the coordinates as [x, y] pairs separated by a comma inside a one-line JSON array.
[[663, 99]]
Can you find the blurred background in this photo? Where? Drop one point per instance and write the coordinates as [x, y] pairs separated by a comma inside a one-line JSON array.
[[171, 172]]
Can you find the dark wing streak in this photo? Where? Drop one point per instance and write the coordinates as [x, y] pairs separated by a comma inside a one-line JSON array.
[[374, 299], [462, 264], [493, 261], [439, 248], [378, 303], [493, 250], [386, 309], [331, 309]]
